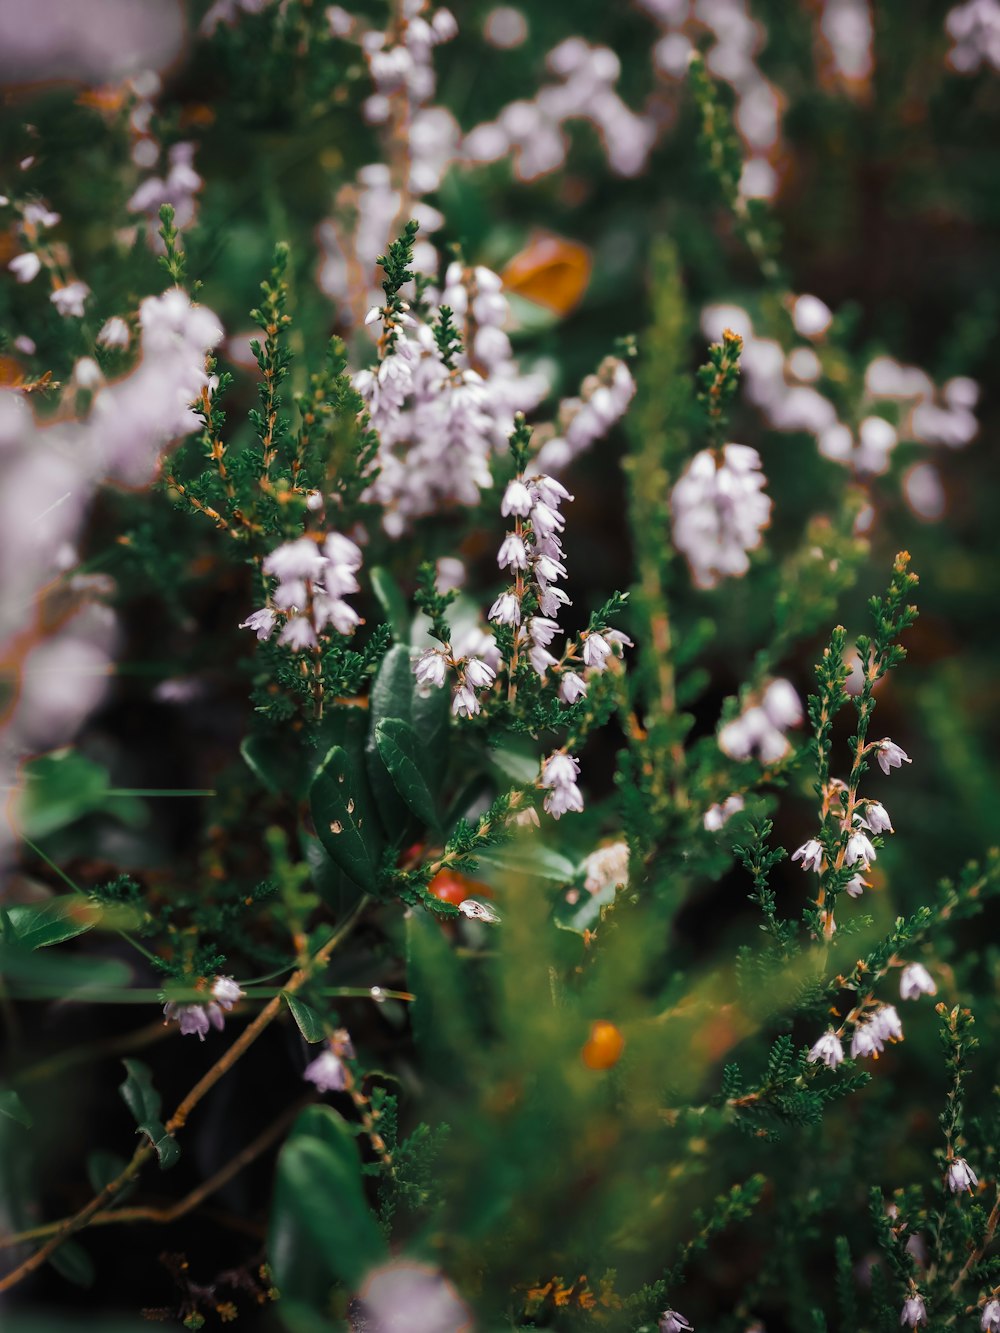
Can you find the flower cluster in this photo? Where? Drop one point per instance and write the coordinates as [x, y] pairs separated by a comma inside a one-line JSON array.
[[366, 213], [198, 1019], [760, 729], [603, 401], [583, 89], [558, 777], [440, 416], [719, 512], [737, 40], [783, 386], [974, 27], [314, 577]]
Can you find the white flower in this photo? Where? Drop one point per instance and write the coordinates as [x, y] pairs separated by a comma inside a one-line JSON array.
[[890, 755], [886, 1023], [69, 300], [506, 610], [989, 1320], [87, 373], [550, 491], [914, 981], [478, 674], [477, 911], [545, 521], [298, 634], [541, 659], [561, 800], [194, 1020], [559, 769], [811, 316], [464, 702], [430, 668], [859, 848], [26, 267], [913, 1311], [855, 886], [340, 550], [548, 569], [37, 215], [300, 559], [114, 333], [876, 816], [262, 622], [542, 630], [719, 512], [596, 651], [336, 612], [226, 991], [513, 553], [550, 600], [810, 854], [782, 704], [516, 499], [672, 1322], [961, 1176], [327, 1072], [571, 687], [716, 816], [606, 867], [827, 1050], [866, 1041]]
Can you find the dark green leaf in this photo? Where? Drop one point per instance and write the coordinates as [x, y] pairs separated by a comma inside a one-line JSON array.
[[74, 1263], [59, 919], [143, 1101], [400, 750], [103, 1166], [322, 1229], [14, 1109], [392, 602], [309, 1022], [338, 811]]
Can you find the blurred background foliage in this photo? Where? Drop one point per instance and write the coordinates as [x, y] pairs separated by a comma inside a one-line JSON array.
[[888, 209]]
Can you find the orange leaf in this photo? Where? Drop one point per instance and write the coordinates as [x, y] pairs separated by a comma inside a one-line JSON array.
[[550, 271]]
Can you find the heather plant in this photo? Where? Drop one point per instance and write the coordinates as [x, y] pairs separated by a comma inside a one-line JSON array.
[[474, 859]]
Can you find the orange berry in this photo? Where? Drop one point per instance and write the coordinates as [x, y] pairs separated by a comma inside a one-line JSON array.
[[451, 887], [604, 1047]]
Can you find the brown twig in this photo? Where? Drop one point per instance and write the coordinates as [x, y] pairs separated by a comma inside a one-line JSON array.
[[70, 1225]]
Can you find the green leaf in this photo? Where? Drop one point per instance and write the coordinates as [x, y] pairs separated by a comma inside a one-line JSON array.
[[63, 787], [400, 750], [74, 1263], [103, 1166], [63, 973], [521, 766], [308, 1021], [392, 602], [144, 1102], [60, 788], [431, 719], [338, 811], [322, 1229], [392, 690], [529, 857], [14, 1109], [53, 922], [391, 696], [280, 768]]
